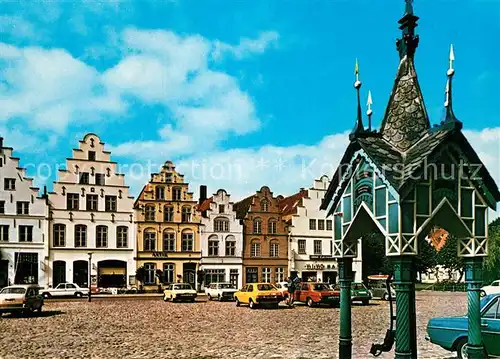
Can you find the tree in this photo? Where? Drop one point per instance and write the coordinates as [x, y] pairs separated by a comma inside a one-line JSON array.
[[374, 258], [425, 261], [448, 257], [492, 261], [140, 275]]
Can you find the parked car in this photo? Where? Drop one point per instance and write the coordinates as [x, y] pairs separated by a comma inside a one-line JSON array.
[[493, 288], [221, 291], [20, 299], [283, 288], [259, 294], [65, 290], [377, 285], [359, 293], [451, 333], [314, 294], [179, 292]]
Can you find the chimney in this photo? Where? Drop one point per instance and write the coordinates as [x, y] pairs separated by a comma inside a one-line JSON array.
[[203, 193], [1, 143]]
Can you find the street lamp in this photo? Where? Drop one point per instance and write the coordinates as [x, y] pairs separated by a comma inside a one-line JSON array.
[[90, 276]]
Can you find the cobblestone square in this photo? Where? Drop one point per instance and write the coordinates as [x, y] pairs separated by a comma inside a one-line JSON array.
[[150, 328]]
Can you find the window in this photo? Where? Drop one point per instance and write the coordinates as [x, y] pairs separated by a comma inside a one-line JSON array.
[[149, 273], [149, 241], [272, 226], [4, 233], [187, 242], [100, 179], [160, 192], [213, 247], [274, 249], [233, 277], [59, 235], [230, 248], [321, 224], [317, 246], [263, 206], [221, 225], [255, 249], [150, 213], [72, 201], [186, 214], [9, 184], [492, 311], [280, 275], [302, 246], [25, 233], [221, 208], [121, 237], [80, 235], [176, 194], [266, 275], [168, 214], [214, 276], [169, 241], [252, 275], [328, 224], [110, 203], [84, 178], [101, 236], [168, 178], [312, 224], [2, 206], [168, 273], [257, 226], [23, 207], [92, 202], [91, 155]]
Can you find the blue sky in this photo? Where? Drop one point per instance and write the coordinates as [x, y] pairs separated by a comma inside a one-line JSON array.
[[260, 92]]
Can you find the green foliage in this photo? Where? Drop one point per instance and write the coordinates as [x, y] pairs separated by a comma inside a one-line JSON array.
[[448, 257], [374, 259], [426, 260], [140, 274], [492, 261]]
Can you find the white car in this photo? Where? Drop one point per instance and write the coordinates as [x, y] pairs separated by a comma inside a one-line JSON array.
[[283, 288], [493, 288], [65, 290], [179, 292], [220, 291]]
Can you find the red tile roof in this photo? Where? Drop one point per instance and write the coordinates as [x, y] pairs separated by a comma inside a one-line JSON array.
[[288, 205], [205, 205]]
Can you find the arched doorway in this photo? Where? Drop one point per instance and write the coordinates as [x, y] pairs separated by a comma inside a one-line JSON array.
[[81, 273], [58, 273], [112, 273], [189, 273]]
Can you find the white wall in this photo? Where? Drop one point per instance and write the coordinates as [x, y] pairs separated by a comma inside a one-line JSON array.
[[25, 192]]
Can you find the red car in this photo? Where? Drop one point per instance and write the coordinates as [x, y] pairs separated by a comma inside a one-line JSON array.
[[313, 294]]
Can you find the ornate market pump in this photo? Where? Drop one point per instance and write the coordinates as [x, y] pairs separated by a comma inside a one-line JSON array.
[[403, 181]]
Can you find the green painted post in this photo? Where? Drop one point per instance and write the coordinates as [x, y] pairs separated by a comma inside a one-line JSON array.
[[474, 279], [405, 307], [345, 279]]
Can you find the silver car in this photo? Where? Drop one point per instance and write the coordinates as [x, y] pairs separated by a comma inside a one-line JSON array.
[[22, 298]]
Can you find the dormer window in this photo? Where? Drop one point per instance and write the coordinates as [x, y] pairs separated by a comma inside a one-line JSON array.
[[168, 177], [221, 208], [264, 205], [176, 194], [91, 155]]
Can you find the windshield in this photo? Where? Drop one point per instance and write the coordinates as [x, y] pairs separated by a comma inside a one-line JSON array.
[[321, 286], [265, 287], [13, 291], [182, 286], [358, 286], [226, 286]]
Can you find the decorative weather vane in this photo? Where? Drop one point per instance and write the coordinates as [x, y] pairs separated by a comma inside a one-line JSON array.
[[369, 112], [358, 127], [450, 73]]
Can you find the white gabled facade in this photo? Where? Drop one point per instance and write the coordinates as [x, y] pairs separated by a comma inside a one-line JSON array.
[[311, 236], [91, 212], [23, 225], [221, 239]]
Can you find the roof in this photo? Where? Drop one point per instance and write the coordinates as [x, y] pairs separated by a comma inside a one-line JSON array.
[[205, 205], [288, 205], [241, 208]]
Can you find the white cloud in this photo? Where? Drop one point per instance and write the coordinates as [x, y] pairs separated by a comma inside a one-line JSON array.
[[246, 46]]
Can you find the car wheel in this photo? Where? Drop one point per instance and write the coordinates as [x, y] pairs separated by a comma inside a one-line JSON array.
[[209, 297], [482, 293], [171, 299], [78, 295], [310, 303], [219, 298], [237, 302], [46, 295], [366, 302], [165, 298], [40, 308], [462, 349], [251, 304], [386, 296]]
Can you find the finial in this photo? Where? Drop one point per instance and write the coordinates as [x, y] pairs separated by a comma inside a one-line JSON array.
[[408, 42], [369, 112], [409, 7], [450, 120], [358, 128], [451, 70]]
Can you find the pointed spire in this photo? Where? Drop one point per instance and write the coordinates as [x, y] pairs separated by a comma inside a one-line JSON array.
[[369, 112], [405, 120], [358, 127], [450, 119]]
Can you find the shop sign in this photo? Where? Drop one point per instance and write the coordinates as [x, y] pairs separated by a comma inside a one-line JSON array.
[[160, 254], [315, 266], [327, 257]]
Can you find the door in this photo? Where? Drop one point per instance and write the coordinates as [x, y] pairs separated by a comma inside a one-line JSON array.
[[490, 328], [58, 273], [81, 273], [70, 289], [4, 273], [189, 273]]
